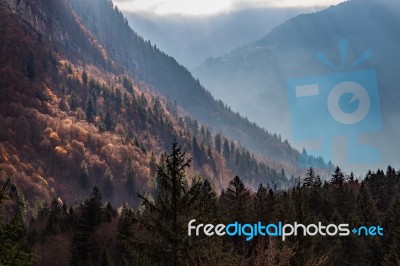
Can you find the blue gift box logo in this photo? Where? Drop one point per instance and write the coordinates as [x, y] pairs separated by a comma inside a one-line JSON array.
[[340, 104]]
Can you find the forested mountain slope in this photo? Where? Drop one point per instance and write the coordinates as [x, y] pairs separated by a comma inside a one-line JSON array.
[[164, 74], [72, 118]]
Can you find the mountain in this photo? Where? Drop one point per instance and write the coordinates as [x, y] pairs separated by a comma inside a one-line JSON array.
[[147, 63], [192, 39], [252, 79], [81, 133], [86, 102]]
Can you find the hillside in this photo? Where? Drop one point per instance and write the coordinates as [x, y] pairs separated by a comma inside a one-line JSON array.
[[72, 118], [252, 79], [163, 74]]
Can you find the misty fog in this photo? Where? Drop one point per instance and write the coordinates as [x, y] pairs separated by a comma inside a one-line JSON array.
[[192, 39], [245, 58]]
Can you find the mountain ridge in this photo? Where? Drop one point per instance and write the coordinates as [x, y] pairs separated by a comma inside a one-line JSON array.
[[73, 119], [177, 83], [289, 51]]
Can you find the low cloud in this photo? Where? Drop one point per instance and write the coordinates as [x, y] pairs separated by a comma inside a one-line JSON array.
[[209, 7]]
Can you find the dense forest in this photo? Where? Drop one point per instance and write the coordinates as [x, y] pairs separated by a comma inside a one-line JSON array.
[[93, 232]]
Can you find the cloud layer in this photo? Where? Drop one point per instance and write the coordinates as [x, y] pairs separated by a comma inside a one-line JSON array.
[[208, 7]]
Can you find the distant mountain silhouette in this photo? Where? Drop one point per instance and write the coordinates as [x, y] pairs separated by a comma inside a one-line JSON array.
[[252, 78], [192, 39]]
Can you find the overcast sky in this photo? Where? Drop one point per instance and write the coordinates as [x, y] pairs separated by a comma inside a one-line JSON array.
[[208, 7]]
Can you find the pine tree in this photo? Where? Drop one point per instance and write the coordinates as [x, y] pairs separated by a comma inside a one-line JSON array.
[[237, 200], [84, 178], [157, 109], [21, 204], [84, 77], [118, 101], [351, 177], [366, 206], [142, 100], [299, 197], [261, 204], [197, 153], [108, 187], [14, 248], [392, 234], [206, 205], [90, 110], [130, 175], [105, 258], [318, 182], [93, 209], [208, 138], [233, 150], [337, 177], [127, 84], [236, 203], [310, 178], [218, 143], [53, 226], [91, 217], [109, 212], [166, 216], [108, 121], [126, 220], [152, 164], [171, 179], [74, 101], [226, 151], [30, 66]]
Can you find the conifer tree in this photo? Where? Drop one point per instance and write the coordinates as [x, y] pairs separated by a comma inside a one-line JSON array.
[[53, 224], [392, 234], [366, 206], [337, 177], [351, 177], [130, 175], [166, 216], [105, 258], [226, 151], [237, 200], [108, 187], [108, 121], [30, 66], [14, 248], [218, 143], [261, 204], [197, 154], [90, 110], [74, 101], [310, 178], [126, 220], [84, 178], [91, 217], [84, 77], [236, 203], [152, 164], [208, 138]]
